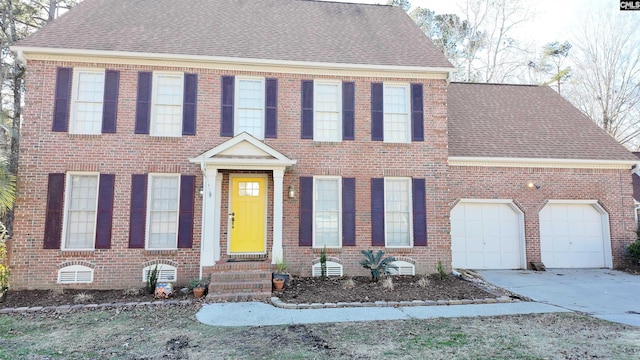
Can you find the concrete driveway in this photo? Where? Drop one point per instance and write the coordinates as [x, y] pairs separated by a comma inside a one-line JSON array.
[[602, 293]]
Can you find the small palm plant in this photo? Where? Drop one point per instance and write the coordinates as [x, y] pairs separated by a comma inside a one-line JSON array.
[[377, 264]]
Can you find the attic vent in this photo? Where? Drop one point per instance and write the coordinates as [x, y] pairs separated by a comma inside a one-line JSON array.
[[75, 274], [166, 273], [402, 268], [333, 269]]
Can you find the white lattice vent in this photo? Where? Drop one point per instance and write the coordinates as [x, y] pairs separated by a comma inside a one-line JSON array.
[[402, 268], [75, 274], [333, 269], [166, 273]]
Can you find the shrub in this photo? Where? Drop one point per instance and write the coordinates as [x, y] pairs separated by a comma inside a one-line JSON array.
[[152, 280], [4, 266], [82, 298], [376, 263], [387, 284], [281, 266], [423, 282], [634, 250], [440, 269], [323, 263], [348, 284]]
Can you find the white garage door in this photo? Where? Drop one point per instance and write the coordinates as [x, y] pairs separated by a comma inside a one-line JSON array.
[[485, 236], [571, 236]]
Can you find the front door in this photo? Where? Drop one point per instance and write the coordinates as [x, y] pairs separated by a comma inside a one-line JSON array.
[[247, 215]]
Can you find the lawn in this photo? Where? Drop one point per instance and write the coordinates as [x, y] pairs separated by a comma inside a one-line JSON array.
[[171, 332]]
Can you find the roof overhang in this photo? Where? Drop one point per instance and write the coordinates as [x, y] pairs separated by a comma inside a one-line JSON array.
[[541, 163], [25, 53]]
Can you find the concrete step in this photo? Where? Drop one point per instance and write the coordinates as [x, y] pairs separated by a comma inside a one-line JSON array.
[[239, 296], [234, 276], [240, 286]]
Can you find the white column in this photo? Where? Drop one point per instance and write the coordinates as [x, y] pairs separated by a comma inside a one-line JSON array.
[[276, 251], [210, 239]]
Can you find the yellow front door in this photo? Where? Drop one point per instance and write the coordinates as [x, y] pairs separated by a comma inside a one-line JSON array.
[[247, 215]]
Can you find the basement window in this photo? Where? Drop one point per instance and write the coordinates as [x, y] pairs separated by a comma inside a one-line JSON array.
[[75, 274], [166, 273], [333, 269]]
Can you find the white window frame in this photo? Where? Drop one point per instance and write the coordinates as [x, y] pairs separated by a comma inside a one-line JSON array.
[[407, 112], [148, 216], [410, 210], [236, 107], [339, 181], [153, 131], [338, 135], [73, 118], [67, 203]]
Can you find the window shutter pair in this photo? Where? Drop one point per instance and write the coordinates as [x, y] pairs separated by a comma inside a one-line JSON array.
[[55, 211], [270, 107], [348, 211], [138, 214], [377, 112], [348, 110], [419, 212], [143, 103], [61, 108]]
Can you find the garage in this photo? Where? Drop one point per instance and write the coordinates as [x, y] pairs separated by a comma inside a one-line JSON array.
[[487, 234], [574, 234]]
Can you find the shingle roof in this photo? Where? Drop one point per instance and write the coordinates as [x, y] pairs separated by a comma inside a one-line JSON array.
[[521, 121], [290, 30]]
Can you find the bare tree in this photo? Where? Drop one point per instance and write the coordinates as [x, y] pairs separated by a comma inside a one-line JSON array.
[[606, 84], [552, 64]]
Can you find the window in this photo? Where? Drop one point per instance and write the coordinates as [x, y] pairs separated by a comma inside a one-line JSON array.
[[326, 211], [397, 122], [333, 269], [327, 111], [80, 211], [75, 274], [162, 213], [167, 99], [250, 107], [398, 213], [166, 273], [87, 101]]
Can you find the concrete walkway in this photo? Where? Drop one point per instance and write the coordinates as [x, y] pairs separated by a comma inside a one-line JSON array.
[[603, 293], [261, 314]]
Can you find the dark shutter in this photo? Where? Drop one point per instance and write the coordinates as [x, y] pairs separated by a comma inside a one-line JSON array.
[[138, 213], [61, 100], [143, 103], [307, 109], [417, 113], [271, 107], [419, 213], [226, 125], [105, 211], [110, 102], [53, 221], [306, 211], [348, 212], [348, 110], [189, 104], [185, 219], [377, 112], [377, 212]]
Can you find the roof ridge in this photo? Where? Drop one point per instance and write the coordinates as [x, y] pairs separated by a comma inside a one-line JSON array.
[[498, 84], [347, 3]]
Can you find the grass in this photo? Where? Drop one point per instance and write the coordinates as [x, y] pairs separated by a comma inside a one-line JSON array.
[[173, 332]]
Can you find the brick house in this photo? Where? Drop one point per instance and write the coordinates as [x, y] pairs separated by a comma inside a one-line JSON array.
[[244, 132]]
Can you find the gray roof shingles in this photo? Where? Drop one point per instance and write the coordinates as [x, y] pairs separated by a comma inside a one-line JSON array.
[[286, 30], [523, 121]]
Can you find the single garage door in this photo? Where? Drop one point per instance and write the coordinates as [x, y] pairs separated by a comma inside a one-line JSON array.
[[486, 236], [572, 236]]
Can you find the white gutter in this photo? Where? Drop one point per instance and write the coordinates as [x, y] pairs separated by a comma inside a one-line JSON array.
[[539, 162]]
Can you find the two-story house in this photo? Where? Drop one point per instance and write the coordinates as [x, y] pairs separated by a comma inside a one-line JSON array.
[[209, 136]]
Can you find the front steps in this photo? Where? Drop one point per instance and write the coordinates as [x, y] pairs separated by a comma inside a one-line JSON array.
[[240, 281]]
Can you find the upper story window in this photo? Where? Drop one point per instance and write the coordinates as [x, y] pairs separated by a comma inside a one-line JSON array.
[[162, 211], [166, 119], [327, 111], [250, 106], [87, 101], [397, 112], [327, 211], [81, 205], [397, 123]]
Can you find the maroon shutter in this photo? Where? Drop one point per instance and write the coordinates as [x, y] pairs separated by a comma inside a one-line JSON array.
[[110, 101], [419, 213], [138, 213], [62, 99], [306, 211], [348, 110], [143, 103], [377, 112], [271, 107], [377, 212], [104, 220], [53, 221], [307, 109], [185, 219], [226, 126], [417, 113], [189, 104], [348, 212]]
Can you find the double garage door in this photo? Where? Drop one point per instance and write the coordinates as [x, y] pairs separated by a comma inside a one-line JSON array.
[[490, 236]]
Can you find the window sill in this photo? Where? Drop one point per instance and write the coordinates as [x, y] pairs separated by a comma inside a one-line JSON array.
[[165, 137], [326, 143], [161, 252], [77, 252], [83, 136], [396, 144], [330, 250]]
